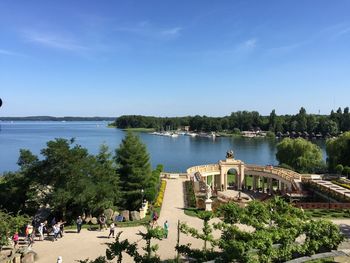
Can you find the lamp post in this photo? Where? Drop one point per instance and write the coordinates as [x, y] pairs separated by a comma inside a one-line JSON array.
[[142, 191], [271, 212]]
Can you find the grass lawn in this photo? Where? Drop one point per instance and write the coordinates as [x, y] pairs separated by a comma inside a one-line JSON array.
[[192, 211], [328, 213], [143, 221], [323, 260], [140, 129]]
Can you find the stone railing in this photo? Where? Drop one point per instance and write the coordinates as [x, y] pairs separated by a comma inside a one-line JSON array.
[[285, 174], [204, 169]]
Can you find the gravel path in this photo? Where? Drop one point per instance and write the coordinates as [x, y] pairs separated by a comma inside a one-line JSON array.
[[91, 244]]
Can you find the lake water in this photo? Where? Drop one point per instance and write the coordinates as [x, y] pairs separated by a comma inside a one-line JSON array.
[[176, 154]]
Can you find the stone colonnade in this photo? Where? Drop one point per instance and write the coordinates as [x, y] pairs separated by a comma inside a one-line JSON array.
[[266, 184], [264, 178]]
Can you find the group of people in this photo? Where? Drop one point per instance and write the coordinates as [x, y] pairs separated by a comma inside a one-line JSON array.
[[37, 228], [57, 228]]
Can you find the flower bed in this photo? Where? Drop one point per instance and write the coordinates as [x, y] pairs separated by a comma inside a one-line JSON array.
[[159, 200], [342, 184]]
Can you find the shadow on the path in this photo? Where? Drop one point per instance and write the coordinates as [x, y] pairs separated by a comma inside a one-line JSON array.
[[106, 237], [70, 231], [345, 229]]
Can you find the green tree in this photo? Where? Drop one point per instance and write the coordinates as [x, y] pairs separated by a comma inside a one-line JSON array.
[[272, 121], [346, 120], [67, 179], [206, 235], [339, 168], [153, 184], [346, 170], [134, 169], [9, 224], [338, 151], [300, 154], [321, 235], [301, 118]]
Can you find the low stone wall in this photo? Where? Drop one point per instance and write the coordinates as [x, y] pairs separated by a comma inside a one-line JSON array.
[[21, 255], [167, 175], [323, 205]]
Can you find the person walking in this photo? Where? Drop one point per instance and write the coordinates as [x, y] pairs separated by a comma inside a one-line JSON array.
[[61, 226], [154, 218], [29, 234], [166, 228], [56, 231], [15, 239], [79, 224], [59, 259], [102, 221], [41, 231], [111, 230]]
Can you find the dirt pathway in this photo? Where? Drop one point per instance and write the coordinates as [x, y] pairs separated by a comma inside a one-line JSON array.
[[91, 244]]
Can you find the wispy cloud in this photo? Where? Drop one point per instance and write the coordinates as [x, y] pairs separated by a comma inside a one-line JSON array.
[[335, 31], [146, 29], [343, 31], [172, 32], [283, 49], [51, 40], [250, 43], [9, 53]]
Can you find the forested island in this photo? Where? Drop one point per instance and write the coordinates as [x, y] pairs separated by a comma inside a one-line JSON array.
[[302, 122]]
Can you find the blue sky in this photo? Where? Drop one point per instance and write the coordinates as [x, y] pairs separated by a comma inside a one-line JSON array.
[[173, 57]]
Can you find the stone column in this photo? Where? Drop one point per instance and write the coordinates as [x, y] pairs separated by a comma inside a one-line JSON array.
[[263, 184], [282, 188], [254, 182], [222, 179], [241, 176], [271, 186]]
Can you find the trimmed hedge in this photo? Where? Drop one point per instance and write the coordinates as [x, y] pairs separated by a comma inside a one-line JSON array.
[[345, 185], [190, 196], [159, 200]]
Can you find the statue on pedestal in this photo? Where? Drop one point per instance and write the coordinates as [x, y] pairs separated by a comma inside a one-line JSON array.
[[229, 154], [208, 191]]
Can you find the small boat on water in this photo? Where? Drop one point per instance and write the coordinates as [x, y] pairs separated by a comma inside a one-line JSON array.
[[192, 134], [207, 135]]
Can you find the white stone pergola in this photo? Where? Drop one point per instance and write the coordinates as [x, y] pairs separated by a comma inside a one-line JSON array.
[[287, 179]]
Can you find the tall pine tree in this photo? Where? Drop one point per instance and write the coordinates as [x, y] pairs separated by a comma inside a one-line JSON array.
[[134, 169]]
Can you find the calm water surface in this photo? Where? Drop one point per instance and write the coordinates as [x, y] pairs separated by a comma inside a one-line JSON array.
[[176, 154]]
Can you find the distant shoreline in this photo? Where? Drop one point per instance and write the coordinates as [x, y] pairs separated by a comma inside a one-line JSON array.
[[51, 118]]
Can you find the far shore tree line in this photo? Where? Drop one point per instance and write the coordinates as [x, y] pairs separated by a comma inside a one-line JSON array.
[[332, 124], [72, 182]]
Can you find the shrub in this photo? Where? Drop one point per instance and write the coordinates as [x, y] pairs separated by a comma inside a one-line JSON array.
[[9, 224], [339, 169], [159, 200], [190, 196]]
